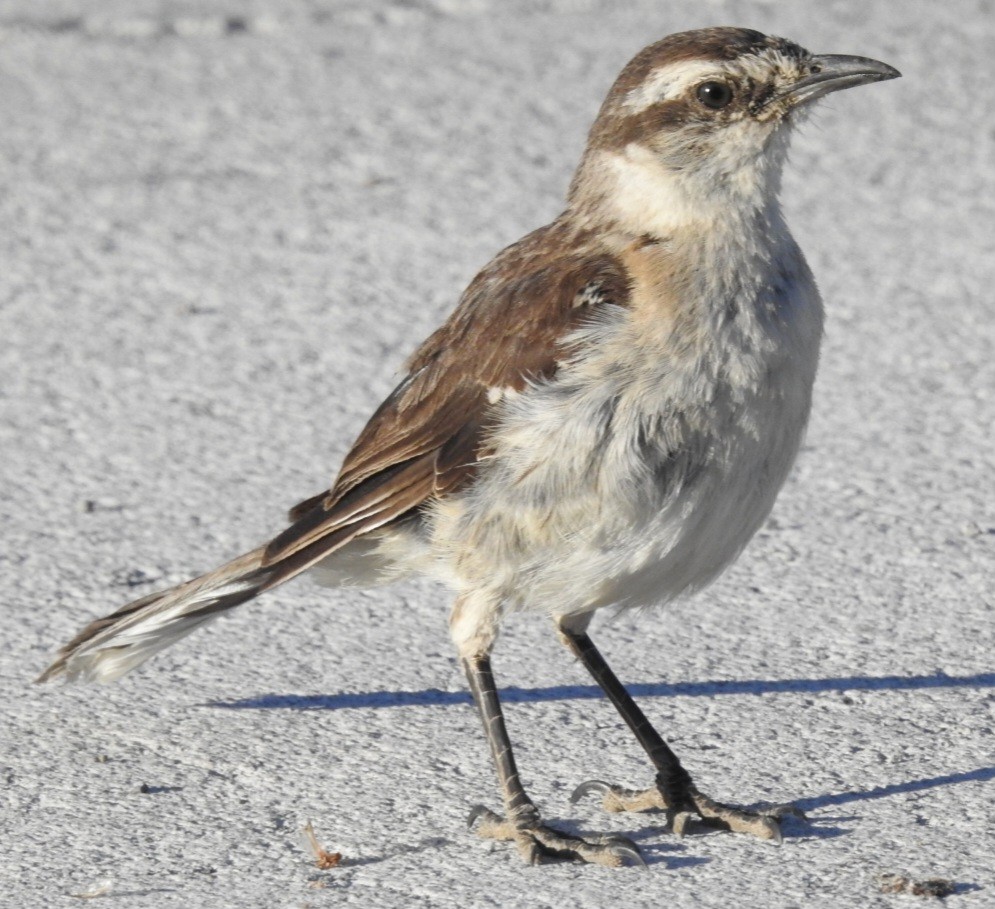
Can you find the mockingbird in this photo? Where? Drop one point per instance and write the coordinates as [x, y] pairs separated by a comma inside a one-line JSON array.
[[604, 420]]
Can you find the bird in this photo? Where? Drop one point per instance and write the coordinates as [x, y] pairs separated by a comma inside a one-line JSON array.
[[604, 420]]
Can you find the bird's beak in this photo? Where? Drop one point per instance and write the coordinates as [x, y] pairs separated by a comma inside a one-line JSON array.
[[831, 72]]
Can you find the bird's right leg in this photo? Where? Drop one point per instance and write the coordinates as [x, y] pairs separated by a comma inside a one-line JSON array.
[[674, 790], [474, 628]]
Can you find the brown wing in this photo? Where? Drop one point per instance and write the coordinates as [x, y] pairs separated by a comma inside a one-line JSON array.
[[428, 436]]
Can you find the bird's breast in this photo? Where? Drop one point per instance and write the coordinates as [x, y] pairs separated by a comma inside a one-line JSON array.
[[643, 468]]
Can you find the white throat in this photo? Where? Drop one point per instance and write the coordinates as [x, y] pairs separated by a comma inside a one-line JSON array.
[[636, 190], [644, 197]]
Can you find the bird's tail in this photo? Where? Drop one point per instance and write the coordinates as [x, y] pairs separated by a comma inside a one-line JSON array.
[[322, 526], [109, 647]]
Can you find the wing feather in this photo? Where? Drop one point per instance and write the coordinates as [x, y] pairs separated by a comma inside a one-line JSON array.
[[430, 434]]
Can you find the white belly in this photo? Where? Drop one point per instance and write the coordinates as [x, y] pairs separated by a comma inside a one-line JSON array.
[[633, 478]]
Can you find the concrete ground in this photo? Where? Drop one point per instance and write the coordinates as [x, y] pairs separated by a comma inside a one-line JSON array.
[[222, 228]]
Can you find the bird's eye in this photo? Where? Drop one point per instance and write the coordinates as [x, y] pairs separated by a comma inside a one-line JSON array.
[[715, 95]]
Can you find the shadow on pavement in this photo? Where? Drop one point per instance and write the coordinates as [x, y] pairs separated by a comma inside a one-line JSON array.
[[432, 697], [981, 775], [514, 694]]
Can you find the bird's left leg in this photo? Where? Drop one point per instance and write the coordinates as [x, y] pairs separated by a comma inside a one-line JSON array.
[[674, 790], [474, 629]]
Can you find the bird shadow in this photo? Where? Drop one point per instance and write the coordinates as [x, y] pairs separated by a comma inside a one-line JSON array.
[[423, 845], [981, 775], [672, 855], [826, 826], [433, 697]]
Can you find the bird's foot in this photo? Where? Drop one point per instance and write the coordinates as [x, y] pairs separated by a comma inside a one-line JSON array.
[[538, 843], [694, 807]]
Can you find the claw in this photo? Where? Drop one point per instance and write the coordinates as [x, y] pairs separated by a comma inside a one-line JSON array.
[[626, 849], [491, 826], [600, 787], [475, 812]]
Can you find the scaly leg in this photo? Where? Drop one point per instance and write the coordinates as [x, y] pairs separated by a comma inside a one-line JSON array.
[[522, 824], [537, 842], [674, 790]]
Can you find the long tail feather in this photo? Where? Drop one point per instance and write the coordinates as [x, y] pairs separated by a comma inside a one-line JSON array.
[[111, 646]]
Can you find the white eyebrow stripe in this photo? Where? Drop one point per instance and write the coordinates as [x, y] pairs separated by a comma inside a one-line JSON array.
[[670, 82]]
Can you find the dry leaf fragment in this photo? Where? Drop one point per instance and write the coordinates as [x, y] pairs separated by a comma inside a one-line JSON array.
[[322, 857], [897, 883]]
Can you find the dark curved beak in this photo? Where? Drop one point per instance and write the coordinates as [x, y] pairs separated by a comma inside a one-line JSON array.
[[832, 72]]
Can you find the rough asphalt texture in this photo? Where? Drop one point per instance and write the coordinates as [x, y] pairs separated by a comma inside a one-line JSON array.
[[224, 226]]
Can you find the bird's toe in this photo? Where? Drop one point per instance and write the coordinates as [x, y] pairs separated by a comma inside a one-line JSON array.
[[693, 810], [540, 843], [617, 799]]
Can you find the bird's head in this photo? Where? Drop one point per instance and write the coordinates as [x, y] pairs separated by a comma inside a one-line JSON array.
[[701, 118]]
